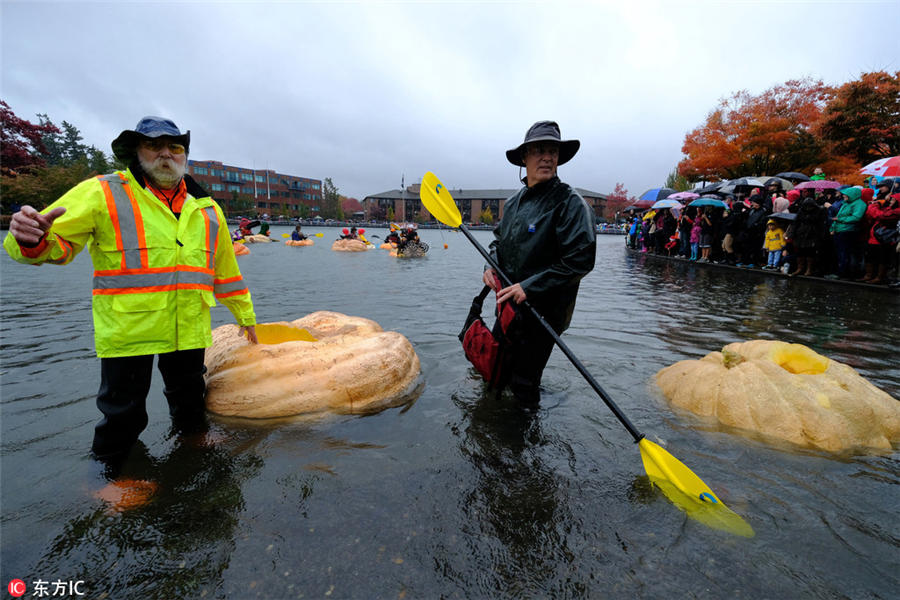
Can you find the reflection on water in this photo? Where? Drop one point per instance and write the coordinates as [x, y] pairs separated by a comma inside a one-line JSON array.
[[459, 495]]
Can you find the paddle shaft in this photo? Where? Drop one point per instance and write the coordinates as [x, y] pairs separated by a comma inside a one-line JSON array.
[[637, 435]]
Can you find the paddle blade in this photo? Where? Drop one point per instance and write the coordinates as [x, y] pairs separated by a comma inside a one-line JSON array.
[[285, 235], [438, 201], [688, 492], [320, 235]]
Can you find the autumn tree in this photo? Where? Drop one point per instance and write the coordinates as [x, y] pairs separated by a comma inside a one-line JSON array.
[[758, 134], [21, 141], [487, 216], [862, 121], [617, 201]]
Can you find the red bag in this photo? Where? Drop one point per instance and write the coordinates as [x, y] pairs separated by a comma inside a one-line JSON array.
[[481, 347]]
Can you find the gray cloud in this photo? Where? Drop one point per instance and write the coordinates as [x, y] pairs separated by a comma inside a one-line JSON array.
[[365, 93]]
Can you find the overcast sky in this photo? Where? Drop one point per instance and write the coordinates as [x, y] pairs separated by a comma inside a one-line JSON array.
[[368, 92]]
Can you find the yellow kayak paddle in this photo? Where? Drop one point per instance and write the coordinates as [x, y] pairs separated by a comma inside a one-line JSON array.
[[677, 482]]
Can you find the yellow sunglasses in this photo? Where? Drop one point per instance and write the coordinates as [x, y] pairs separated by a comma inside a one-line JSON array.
[[157, 144]]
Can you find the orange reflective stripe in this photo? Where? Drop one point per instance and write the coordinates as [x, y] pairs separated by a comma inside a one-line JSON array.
[[151, 271], [206, 223], [113, 214], [229, 279], [154, 288], [66, 248], [229, 294], [139, 224]]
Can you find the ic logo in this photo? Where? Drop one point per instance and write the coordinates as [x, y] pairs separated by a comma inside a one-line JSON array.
[[16, 588]]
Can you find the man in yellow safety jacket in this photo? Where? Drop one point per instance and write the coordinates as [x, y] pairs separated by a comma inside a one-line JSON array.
[[162, 255]]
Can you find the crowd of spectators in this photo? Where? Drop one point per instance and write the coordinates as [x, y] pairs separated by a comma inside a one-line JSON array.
[[850, 233]]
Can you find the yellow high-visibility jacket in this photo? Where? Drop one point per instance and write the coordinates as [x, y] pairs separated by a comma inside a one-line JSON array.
[[155, 276]]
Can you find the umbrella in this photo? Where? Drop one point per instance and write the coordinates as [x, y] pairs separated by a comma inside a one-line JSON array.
[[667, 203], [641, 204], [656, 194], [793, 176], [683, 196], [741, 182], [708, 201], [787, 216], [885, 167], [785, 184], [650, 214], [711, 188], [821, 184]]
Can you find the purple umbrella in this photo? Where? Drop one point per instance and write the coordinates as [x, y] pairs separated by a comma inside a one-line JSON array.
[[821, 184], [683, 196]]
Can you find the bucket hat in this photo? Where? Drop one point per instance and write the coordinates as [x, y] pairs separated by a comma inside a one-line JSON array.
[[544, 131], [149, 127]]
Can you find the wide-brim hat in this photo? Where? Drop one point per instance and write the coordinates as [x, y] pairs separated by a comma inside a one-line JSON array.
[[149, 127], [544, 131]]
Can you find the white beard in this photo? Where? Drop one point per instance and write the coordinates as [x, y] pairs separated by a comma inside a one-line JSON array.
[[165, 173]]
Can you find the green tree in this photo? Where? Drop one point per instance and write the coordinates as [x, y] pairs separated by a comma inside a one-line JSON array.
[[42, 185], [331, 201], [240, 204], [677, 181], [390, 214]]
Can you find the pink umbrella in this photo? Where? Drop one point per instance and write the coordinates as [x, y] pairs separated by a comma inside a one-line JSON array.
[[885, 167], [822, 184], [683, 196]]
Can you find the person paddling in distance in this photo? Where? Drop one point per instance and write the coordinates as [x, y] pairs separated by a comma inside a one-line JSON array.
[[545, 243], [297, 235], [162, 256]]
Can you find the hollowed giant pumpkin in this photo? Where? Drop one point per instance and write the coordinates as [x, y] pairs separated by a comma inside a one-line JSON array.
[[352, 367], [786, 391], [350, 246]]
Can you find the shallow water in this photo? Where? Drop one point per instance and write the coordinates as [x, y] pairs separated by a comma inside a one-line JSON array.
[[453, 496]]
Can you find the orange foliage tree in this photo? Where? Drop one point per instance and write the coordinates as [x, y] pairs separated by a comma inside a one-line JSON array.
[[862, 121], [759, 134], [617, 200]]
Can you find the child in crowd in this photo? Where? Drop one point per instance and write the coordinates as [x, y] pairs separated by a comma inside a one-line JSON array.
[[774, 244], [695, 234]]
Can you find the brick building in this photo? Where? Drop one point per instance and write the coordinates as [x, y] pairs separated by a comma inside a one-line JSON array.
[[243, 191], [407, 206]]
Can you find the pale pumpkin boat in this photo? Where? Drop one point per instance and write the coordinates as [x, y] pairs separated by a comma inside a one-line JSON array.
[[350, 245], [786, 391], [352, 366]]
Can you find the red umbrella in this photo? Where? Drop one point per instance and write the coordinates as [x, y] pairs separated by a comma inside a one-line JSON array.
[[885, 167], [821, 184]]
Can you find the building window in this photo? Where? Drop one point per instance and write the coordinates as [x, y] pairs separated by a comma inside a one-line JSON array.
[[218, 187], [247, 190], [234, 188], [246, 177], [200, 171], [260, 179], [315, 186], [232, 176], [217, 172]]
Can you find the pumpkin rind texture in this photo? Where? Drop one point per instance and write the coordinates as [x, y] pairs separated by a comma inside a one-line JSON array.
[[786, 391], [354, 367], [257, 238], [299, 242], [349, 246]]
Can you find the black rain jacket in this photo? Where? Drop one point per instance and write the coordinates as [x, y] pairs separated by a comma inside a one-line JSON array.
[[547, 242]]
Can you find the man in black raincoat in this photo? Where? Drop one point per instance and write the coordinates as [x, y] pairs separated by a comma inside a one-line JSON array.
[[545, 243]]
